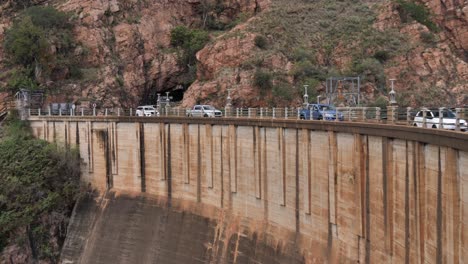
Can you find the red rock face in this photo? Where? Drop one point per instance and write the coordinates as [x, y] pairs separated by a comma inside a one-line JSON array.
[[442, 66], [125, 45], [452, 15], [125, 50]]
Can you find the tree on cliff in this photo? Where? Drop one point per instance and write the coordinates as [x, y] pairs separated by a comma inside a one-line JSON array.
[[39, 184], [188, 42], [38, 44]]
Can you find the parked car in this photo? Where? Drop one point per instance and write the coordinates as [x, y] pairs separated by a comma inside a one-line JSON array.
[[204, 111], [146, 110], [320, 112], [433, 120]]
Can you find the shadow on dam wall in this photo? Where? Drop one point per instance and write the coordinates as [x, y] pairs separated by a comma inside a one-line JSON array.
[[139, 229]]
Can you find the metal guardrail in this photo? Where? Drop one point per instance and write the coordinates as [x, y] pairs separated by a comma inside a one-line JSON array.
[[390, 115]]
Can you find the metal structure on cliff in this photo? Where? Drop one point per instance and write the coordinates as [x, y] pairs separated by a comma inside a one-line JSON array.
[[343, 90]]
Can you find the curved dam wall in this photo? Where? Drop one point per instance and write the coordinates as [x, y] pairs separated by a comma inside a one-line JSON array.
[[265, 191]]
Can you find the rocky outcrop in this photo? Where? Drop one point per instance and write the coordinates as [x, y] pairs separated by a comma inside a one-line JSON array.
[[125, 45], [432, 66], [435, 66], [452, 17], [127, 57]]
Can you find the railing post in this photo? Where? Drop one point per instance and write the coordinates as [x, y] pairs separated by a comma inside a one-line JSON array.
[[441, 117], [82, 111], [29, 111], [457, 119], [286, 113], [50, 112], [118, 111], [105, 112], [424, 118], [377, 114], [298, 113], [364, 112], [349, 113], [130, 113], [261, 112], [248, 112], [39, 111], [408, 115], [94, 111], [273, 113], [60, 111], [310, 115]]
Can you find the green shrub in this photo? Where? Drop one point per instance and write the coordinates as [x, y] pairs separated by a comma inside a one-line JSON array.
[[381, 102], [260, 41], [283, 91], [47, 17], [382, 55], [29, 41], [418, 12], [190, 41], [20, 79], [371, 70], [263, 80], [303, 54], [26, 43], [427, 37], [36, 179], [306, 69]]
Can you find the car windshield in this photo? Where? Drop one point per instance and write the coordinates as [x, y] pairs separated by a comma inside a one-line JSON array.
[[445, 114], [208, 107], [326, 107]]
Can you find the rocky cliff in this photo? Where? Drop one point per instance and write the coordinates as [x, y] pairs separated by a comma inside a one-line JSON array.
[[267, 53]]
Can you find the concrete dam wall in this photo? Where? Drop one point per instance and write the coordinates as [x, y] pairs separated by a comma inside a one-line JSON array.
[[179, 190]]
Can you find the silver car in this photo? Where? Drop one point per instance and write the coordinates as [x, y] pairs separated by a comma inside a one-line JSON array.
[[146, 110], [448, 121]]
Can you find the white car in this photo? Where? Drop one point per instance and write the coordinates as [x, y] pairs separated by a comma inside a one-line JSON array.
[[204, 111], [433, 121], [146, 110]]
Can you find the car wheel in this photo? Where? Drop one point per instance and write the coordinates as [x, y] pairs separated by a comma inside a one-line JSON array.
[[434, 126], [205, 115], [320, 117], [416, 125], [302, 117]]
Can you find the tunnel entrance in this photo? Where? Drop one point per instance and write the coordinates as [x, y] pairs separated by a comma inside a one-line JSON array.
[[150, 97]]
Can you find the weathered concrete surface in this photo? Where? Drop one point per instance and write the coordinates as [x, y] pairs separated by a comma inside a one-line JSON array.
[[315, 192], [138, 229]]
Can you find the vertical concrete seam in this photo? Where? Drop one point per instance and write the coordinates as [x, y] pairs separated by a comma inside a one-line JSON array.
[[283, 167], [235, 158], [141, 138], [211, 155], [309, 172], [168, 165], [198, 165], [265, 176], [407, 206], [367, 203], [439, 256], [221, 167], [422, 201], [297, 183]]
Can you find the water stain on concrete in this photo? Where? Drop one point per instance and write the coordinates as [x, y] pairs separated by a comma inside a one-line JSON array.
[[138, 229]]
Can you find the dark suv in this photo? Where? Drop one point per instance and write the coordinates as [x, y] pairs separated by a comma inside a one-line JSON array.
[[320, 112]]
